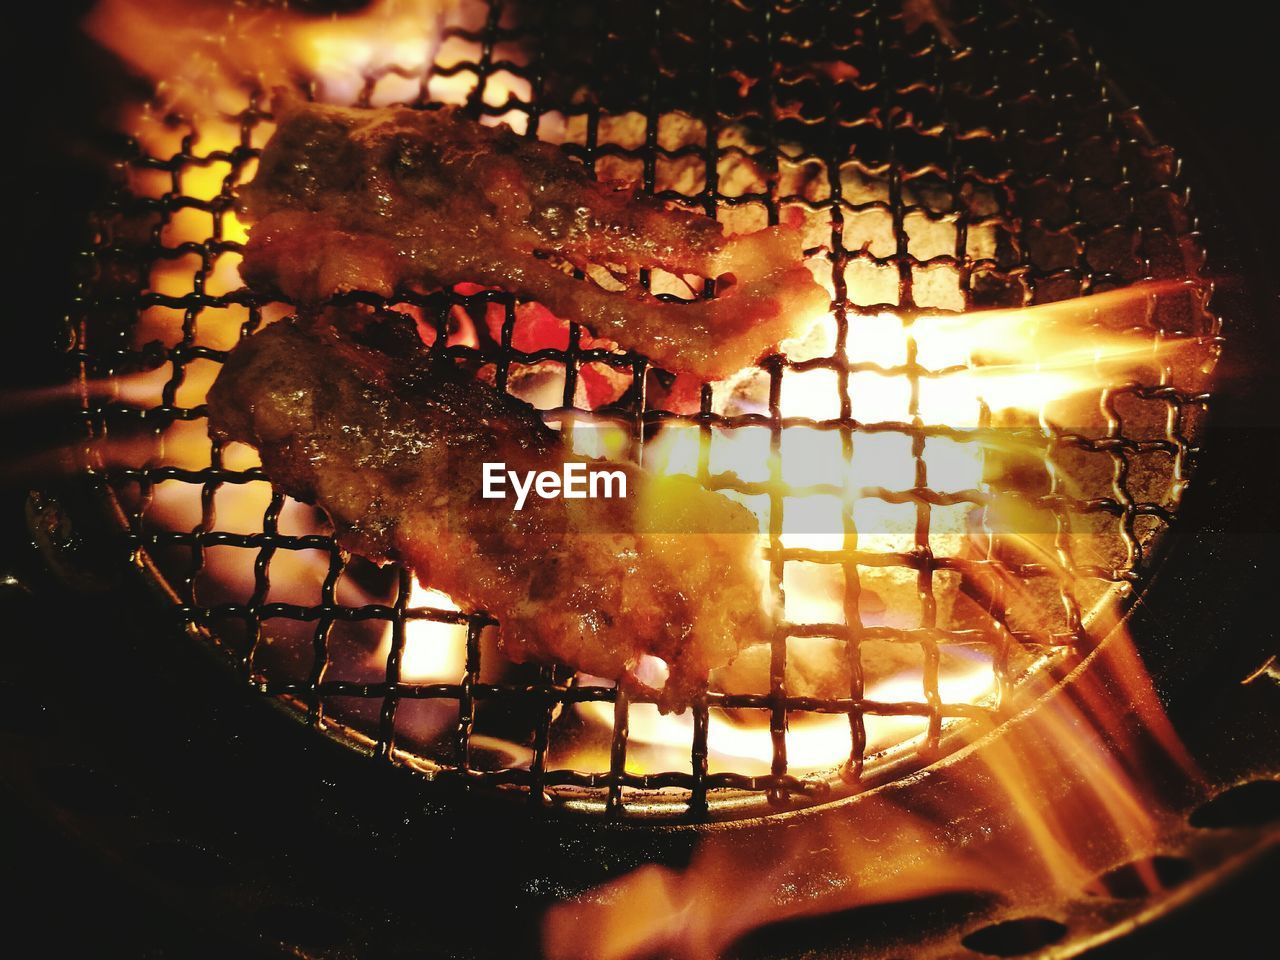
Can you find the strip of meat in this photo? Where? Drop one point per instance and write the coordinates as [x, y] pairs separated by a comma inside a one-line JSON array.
[[376, 200], [392, 446]]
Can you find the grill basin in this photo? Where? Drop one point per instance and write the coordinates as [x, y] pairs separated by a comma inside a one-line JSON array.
[[999, 172]]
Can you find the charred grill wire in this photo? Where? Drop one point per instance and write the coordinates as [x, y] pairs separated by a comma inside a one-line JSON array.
[[1044, 187]]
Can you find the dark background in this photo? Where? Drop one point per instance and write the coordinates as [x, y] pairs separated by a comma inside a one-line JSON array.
[[1205, 77]]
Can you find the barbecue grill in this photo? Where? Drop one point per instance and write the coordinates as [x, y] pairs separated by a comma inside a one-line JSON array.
[[910, 138], [980, 161]]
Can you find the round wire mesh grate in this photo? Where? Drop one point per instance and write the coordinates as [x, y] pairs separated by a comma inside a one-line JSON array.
[[978, 162]]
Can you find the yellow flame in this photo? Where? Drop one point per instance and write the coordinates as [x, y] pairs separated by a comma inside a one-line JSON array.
[[434, 652], [814, 742]]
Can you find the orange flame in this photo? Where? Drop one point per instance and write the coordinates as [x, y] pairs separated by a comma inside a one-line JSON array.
[[1054, 783]]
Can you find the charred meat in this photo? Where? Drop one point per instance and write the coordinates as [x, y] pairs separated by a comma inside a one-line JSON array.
[[380, 199], [392, 445]]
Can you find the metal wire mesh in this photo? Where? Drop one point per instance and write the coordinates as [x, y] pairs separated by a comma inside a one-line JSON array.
[[1012, 149]]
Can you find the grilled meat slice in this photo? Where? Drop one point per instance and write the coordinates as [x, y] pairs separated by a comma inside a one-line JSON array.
[[349, 198], [393, 445]]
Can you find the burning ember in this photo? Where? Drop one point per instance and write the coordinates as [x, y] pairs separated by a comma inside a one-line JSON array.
[[951, 500]]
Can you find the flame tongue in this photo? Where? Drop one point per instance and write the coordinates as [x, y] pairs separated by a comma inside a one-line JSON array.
[[1039, 808]]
